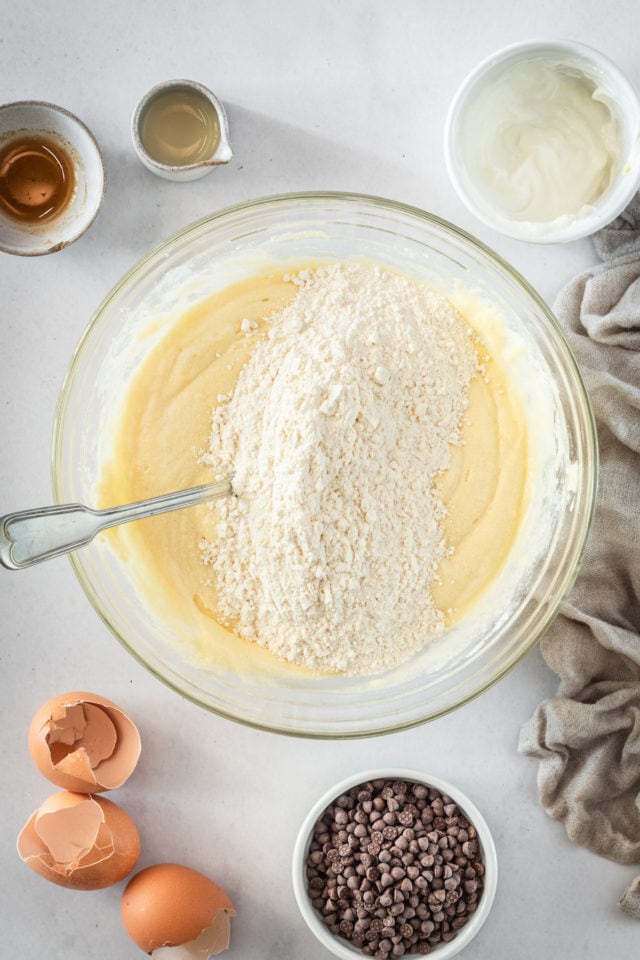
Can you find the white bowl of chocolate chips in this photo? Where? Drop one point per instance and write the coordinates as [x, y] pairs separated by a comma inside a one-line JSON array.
[[394, 863]]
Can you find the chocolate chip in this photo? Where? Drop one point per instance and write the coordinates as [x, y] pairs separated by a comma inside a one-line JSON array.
[[394, 868]]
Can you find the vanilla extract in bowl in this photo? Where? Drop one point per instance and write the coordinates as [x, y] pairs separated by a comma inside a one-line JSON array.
[[37, 178]]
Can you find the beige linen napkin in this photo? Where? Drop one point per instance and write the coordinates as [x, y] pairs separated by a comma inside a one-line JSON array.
[[587, 737]]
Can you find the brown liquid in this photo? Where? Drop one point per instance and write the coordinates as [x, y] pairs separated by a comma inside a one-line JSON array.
[[180, 127], [37, 179]]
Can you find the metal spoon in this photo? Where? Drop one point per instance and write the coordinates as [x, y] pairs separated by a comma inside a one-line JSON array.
[[30, 536]]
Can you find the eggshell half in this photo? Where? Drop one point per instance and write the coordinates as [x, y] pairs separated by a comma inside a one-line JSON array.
[[84, 742], [174, 912], [81, 842]]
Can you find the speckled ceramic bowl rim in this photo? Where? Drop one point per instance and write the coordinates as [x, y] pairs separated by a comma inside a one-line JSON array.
[[339, 947], [86, 223]]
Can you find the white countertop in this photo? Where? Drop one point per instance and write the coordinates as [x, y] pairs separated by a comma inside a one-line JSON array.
[[333, 95]]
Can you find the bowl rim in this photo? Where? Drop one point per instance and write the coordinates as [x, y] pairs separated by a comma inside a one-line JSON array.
[[84, 223], [341, 948], [564, 233], [590, 437]]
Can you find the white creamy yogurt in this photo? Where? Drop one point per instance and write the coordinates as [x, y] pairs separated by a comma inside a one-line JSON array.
[[541, 141]]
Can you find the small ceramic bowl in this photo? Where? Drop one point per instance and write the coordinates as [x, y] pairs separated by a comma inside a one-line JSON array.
[[339, 946], [28, 119], [186, 171], [619, 95]]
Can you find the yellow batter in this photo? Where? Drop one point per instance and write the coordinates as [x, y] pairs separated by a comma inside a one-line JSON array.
[[166, 423]]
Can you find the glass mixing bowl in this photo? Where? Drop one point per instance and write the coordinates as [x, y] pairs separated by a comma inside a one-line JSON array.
[[543, 564]]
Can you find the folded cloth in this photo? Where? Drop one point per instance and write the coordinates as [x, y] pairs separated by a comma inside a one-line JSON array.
[[587, 737]]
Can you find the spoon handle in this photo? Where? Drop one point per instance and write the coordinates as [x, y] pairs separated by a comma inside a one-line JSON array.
[[30, 536]]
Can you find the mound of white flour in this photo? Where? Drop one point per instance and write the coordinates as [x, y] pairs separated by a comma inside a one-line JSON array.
[[338, 427]]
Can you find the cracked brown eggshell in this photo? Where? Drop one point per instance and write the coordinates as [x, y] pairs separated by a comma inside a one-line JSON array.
[[81, 842], [174, 912], [83, 742]]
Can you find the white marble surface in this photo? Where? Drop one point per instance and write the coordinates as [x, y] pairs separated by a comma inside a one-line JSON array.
[[339, 95]]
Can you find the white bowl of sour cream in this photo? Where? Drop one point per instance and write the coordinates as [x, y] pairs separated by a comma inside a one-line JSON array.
[[542, 141]]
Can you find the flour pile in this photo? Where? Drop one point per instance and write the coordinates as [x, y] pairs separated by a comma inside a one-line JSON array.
[[337, 429]]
